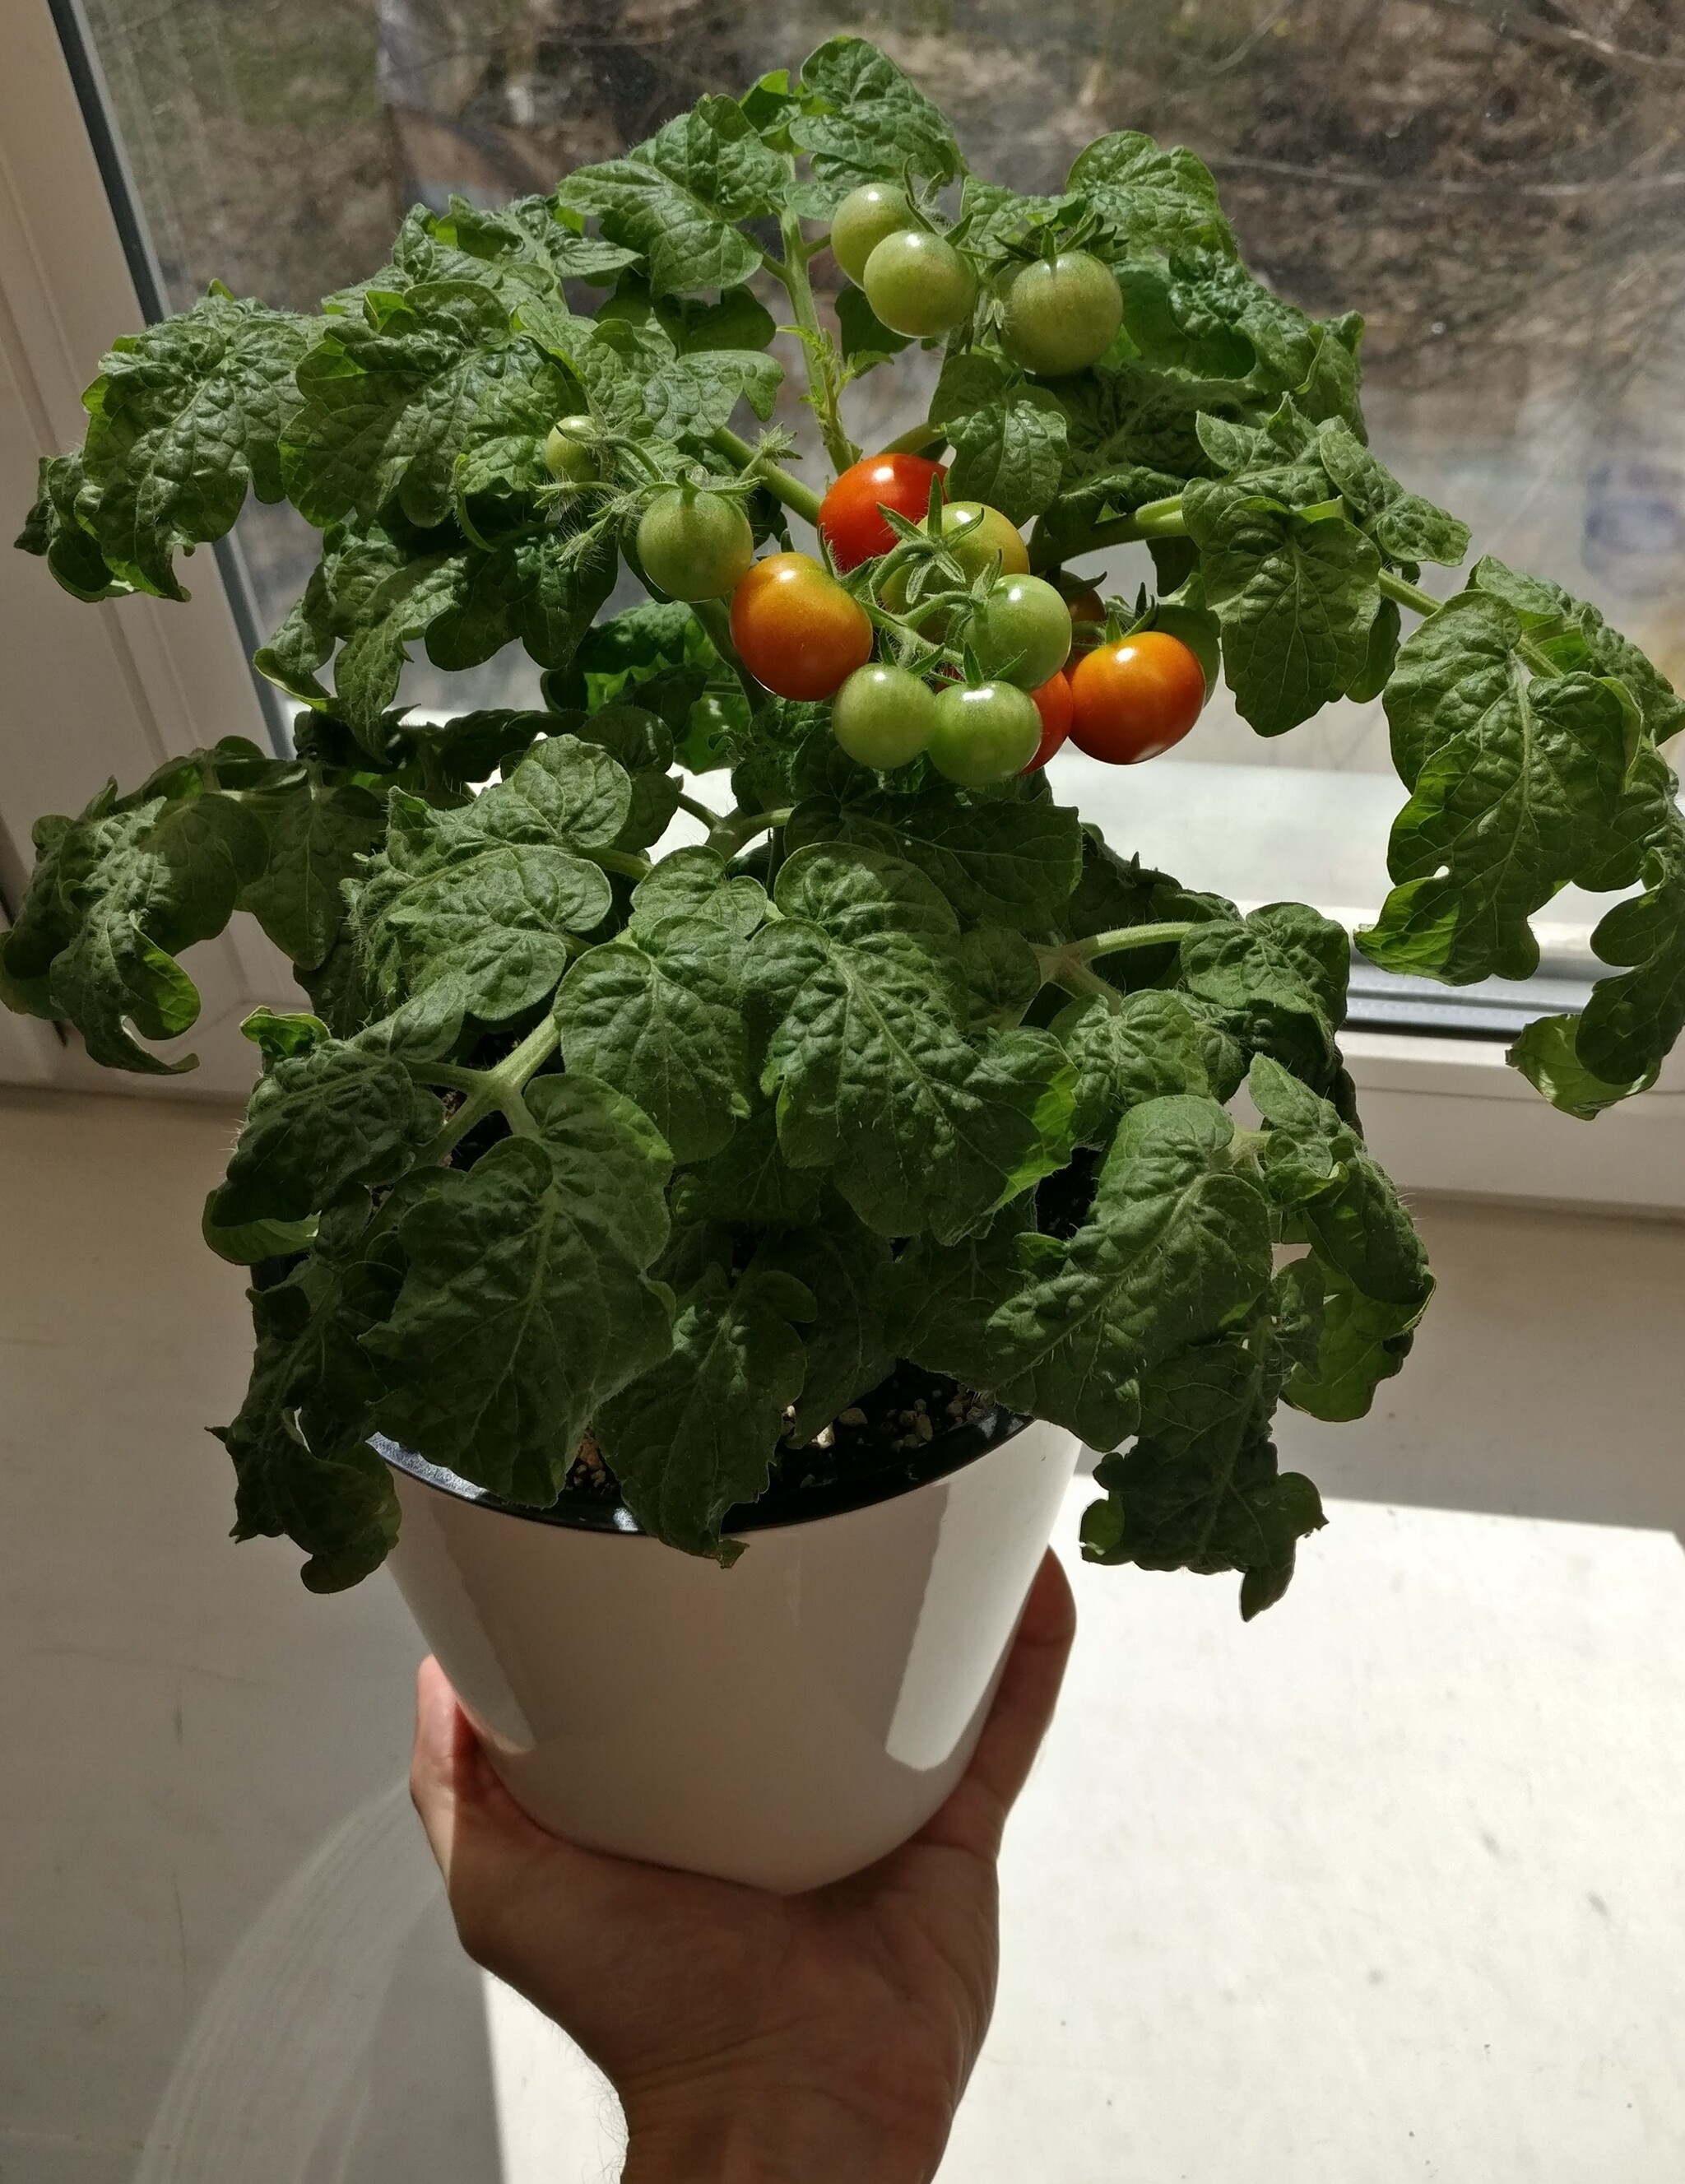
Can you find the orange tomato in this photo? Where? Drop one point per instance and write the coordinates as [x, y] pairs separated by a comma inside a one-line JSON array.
[[1053, 701], [796, 629], [1133, 699]]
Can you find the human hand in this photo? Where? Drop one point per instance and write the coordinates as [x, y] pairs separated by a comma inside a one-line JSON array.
[[752, 2038]]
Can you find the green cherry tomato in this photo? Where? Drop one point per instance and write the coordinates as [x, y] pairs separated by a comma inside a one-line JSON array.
[[975, 534], [865, 217], [918, 284], [882, 716], [569, 452], [984, 733], [1061, 314], [1022, 632], [694, 545]]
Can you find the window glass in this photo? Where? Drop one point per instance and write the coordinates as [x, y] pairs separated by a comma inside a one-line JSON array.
[[1499, 189]]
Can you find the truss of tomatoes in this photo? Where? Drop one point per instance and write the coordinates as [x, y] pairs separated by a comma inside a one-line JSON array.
[[1130, 695]]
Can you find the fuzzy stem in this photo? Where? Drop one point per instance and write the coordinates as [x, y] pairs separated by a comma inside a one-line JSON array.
[[801, 499], [1124, 936], [709, 817], [817, 348]]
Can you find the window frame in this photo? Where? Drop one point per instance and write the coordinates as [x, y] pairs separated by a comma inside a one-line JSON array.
[[132, 682]]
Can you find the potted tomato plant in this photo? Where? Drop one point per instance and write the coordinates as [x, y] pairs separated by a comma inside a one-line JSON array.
[[696, 1265]]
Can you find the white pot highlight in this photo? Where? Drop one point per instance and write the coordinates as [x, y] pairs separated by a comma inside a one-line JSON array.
[[781, 1722]]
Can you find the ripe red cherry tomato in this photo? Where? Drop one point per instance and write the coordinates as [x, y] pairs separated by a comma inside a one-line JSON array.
[[1133, 699], [848, 514], [1053, 701], [796, 628]]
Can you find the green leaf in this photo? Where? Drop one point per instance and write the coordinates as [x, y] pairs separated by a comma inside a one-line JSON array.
[[249, 1241], [184, 420], [697, 1434], [1354, 1218], [1402, 524], [1363, 1341], [1547, 1055], [529, 244], [846, 1344], [1131, 435], [473, 913], [865, 339], [319, 1122], [1151, 200], [1630, 1023], [302, 1465], [542, 587], [1513, 781], [317, 839], [659, 1015], [525, 1305], [675, 198], [1573, 634], [865, 1010], [1200, 1490], [53, 529], [1148, 1047], [641, 743], [694, 395], [1010, 455], [389, 403], [1278, 982], [862, 120], [1296, 596], [116, 896], [749, 1182], [1174, 1242], [999, 860]]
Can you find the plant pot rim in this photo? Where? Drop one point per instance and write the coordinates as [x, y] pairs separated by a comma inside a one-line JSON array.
[[904, 1473]]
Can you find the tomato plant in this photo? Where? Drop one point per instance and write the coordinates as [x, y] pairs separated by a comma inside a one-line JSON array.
[[1022, 632], [796, 629], [773, 1112], [849, 518], [984, 733], [1061, 314], [1052, 701], [694, 545], [883, 715], [1132, 699], [919, 284], [865, 217]]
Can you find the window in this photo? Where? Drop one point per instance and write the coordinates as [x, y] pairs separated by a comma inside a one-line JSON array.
[[1495, 188]]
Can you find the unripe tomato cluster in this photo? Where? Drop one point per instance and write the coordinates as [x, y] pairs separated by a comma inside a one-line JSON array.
[[1059, 314]]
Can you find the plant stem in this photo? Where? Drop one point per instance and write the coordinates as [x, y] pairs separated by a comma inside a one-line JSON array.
[[523, 1063], [918, 440], [709, 817], [801, 499], [1071, 964], [715, 619], [817, 350], [1124, 936], [1156, 518], [625, 862], [730, 834]]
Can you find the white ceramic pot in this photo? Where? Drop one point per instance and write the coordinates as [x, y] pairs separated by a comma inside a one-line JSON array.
[[783, 1722]]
